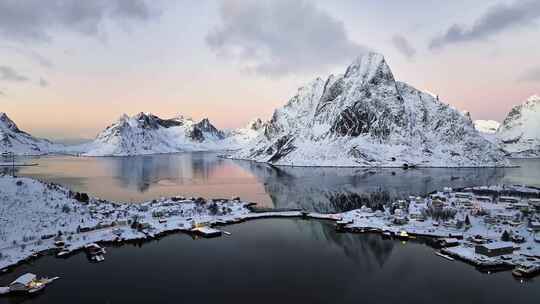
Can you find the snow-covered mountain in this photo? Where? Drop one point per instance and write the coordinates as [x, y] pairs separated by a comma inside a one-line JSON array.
[[486, 126], [367, 118], [519, 134], [145, 133], [12, 139], [242, 136]]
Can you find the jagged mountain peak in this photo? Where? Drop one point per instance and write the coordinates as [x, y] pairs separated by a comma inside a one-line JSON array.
[[7, 123], [519, 133], [534, 99], [365, 117], [12, 139], [205, 124], [147, 133], [203, 127], [368, 67], [255, 124]]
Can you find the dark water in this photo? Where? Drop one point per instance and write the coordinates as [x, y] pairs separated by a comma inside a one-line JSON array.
[[273, 261], [203, 174]]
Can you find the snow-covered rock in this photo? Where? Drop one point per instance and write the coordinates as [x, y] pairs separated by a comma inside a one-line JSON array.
[[146, 133], [519, 134], [367, 118], [487, 126], [14, 140]]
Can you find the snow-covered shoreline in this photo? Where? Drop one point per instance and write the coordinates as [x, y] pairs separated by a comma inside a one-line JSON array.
[[39, 218], [349, 165]]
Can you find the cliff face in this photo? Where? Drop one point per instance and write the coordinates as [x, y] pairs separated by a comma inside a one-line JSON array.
[[367, 118], [519, 134]]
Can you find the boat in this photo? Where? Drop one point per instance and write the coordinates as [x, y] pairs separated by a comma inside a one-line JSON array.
[[95, 252], [63, 252], [444, 256], [526, 271]]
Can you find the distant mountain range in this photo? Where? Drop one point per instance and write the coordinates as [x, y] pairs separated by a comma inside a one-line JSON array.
[[362, 118], [366, 118], [143, 133], [146, 133]]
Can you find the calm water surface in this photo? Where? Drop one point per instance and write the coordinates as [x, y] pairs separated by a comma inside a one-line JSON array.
[[272, 260], [142, 178]]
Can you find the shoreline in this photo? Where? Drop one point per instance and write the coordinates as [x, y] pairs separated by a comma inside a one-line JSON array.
[[151, 220], [409, 167]]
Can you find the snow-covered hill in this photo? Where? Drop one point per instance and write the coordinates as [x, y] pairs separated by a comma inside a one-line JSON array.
[[367, 118], [12, 139], [487, 126], [519, 134], [146, 133]]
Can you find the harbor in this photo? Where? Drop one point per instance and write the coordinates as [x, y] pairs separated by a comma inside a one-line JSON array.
[[465, 224]]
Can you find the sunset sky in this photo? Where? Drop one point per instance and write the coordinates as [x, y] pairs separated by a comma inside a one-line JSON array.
[[70, 68]]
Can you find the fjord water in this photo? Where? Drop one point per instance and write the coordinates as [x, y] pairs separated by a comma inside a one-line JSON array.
[[272, 260]]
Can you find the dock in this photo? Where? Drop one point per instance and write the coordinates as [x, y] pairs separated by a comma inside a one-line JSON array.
[[206, 231]]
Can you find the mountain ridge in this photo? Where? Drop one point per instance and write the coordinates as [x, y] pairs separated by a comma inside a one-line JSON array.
[[14, 140], [365, 117]]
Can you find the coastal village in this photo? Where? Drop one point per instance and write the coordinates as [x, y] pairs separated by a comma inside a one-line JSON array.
[[494, 228]]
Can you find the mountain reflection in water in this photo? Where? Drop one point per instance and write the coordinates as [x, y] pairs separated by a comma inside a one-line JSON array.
[[141, 178], [341, 189], [367, 251]]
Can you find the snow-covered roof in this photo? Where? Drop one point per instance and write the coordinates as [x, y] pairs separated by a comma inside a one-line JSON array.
[[498, 245], [25, 279], [508, 198]]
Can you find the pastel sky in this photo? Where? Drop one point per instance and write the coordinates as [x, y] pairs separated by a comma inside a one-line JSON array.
[[69, 68]]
